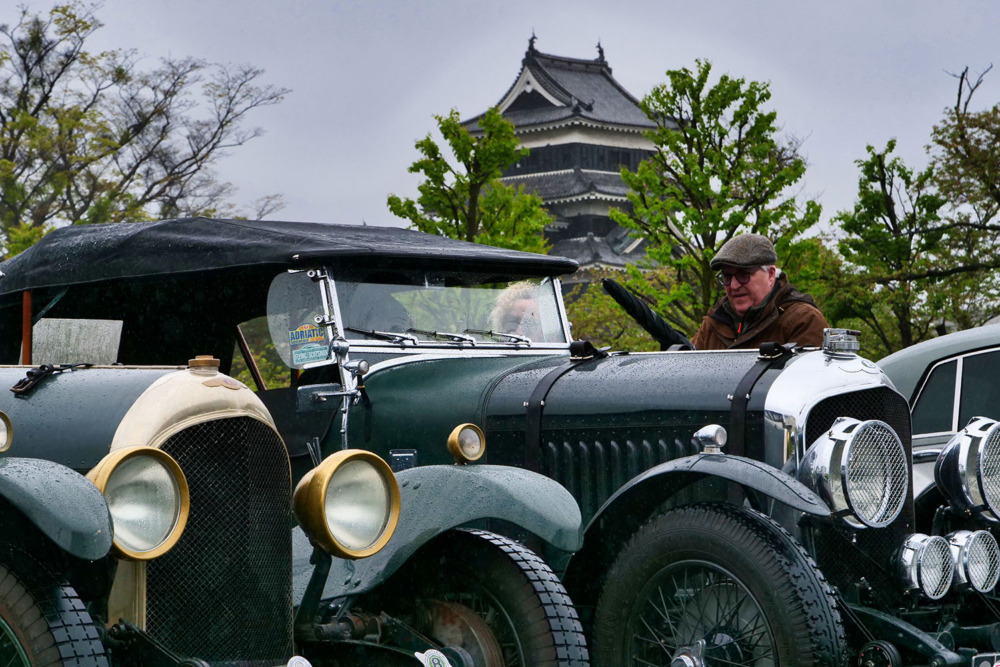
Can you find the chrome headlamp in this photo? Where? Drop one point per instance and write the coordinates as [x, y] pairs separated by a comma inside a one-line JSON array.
[[968, 469], [860, 470], [977, 559], [147, 496], [925, 563], [349, 503]]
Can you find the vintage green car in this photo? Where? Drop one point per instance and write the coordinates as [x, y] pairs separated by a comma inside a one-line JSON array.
[[741, 508], [149, 514]]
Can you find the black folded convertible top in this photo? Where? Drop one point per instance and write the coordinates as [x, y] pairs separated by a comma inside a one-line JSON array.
[[93, 253]]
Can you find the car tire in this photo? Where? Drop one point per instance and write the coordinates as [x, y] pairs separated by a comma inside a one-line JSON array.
[[43, 622], [515, 592], [720, 585]]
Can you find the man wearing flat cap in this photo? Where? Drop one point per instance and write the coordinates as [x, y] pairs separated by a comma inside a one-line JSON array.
[[760, 305]]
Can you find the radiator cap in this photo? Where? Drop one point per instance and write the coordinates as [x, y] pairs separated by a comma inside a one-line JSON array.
[[204, 361]]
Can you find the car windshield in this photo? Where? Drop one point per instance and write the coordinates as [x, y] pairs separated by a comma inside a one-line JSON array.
[[412, 309]]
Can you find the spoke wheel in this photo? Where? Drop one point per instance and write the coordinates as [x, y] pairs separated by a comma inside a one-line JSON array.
[[11, 652], [715, 585], [695, 601], [521, 601]]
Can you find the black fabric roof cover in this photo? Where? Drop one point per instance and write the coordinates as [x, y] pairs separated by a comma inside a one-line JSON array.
[[92, 253]]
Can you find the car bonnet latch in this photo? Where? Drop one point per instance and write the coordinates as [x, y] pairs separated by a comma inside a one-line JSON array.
[[34, 376]]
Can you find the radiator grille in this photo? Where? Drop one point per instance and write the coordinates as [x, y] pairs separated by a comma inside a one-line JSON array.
[[223, 593], [593, 471], [841, 553]]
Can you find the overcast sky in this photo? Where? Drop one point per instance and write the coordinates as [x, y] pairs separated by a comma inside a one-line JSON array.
[[368, 76]]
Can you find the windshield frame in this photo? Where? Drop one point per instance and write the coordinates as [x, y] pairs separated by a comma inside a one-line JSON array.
[[437, 341]]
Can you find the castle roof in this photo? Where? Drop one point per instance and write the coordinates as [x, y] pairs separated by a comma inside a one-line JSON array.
[[572, 185], [614, 250], [555, 90]]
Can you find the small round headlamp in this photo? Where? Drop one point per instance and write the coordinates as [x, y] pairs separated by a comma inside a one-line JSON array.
[[977, 559], [467, 443], [349, 503], [968, 469], [926, 563], [147, 495], [6, 432], [861, 470]]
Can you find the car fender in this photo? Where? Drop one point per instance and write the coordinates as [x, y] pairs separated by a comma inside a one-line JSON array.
[[63, 504], [438, 498], [628, 508], [675, 475]]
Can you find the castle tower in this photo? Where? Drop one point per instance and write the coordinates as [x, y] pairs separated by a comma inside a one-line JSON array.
[[581, 126]]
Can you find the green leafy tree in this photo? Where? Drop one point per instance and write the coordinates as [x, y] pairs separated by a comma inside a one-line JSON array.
[[719, 169], [920, 249], [466, 200], [90, 137], [899, 254], [965, 152], [598, 318]]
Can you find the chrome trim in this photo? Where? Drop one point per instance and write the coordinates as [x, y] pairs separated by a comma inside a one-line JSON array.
[[977, 559], [959, 362], [959, 474], [841, 342], [712, 438], [567, 327], [830, 462], [926, 456], [920, 552], [807, 379], [334, 317]]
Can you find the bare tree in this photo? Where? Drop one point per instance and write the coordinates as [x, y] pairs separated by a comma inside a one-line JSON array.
[[93, 138]]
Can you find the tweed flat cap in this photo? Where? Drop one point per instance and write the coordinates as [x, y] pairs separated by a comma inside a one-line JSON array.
[[745, 250]]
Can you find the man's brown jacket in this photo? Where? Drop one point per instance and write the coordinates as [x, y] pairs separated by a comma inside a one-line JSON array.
[[788, 316]]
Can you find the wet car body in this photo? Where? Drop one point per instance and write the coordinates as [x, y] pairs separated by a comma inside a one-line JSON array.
[[104, 341], [745, 507]]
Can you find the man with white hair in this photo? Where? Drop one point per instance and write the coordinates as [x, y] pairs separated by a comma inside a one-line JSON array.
[[760, 305]]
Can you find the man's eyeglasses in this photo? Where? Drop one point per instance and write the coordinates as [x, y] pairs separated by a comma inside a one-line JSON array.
[[742, 276]]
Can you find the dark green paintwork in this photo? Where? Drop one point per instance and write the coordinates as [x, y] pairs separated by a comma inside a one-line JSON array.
[[71, 417], [640, 409], [63, 428], [63, 504], [436, 499], [747, 472], [417, 404]]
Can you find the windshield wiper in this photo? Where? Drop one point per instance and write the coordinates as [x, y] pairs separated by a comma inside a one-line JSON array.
[[444, 335], [498, 334], [398, 338]]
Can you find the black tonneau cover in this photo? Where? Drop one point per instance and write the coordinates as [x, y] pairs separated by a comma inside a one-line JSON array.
[[93, 253]]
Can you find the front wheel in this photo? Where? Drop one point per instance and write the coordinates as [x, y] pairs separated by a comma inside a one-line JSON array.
[[43, 623], [529, 619], [715, 585]]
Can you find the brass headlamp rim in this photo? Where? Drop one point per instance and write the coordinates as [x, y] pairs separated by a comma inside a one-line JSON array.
[[101, 474], [455, 449], [309, 503]]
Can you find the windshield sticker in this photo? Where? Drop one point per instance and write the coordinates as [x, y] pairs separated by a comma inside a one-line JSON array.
[[308, 344]]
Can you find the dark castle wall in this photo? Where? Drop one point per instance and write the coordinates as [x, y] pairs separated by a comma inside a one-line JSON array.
[[584, 156]]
